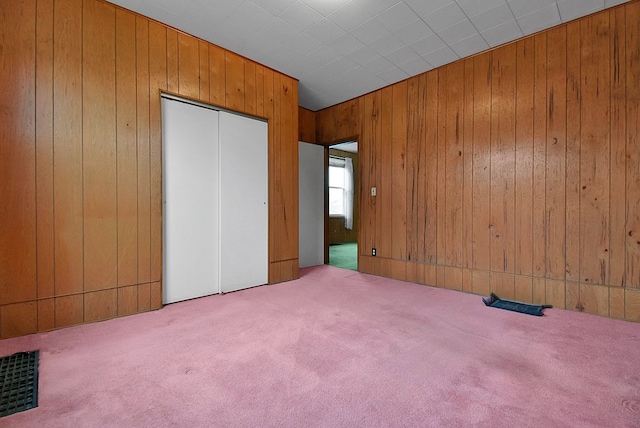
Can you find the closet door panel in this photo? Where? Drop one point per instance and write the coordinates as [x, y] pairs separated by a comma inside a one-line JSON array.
[[190, 201], [243, 202]]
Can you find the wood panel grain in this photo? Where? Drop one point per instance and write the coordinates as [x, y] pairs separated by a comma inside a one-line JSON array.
[[217, 76], [555, 293], [414, 146], [188, 66], [173, 62], [616, 302], [69, 310], [17, 161], [100, 305], [127, 300], [523, 289], [503, 284], [539, 247], [156, 295], [307, 125], [44, 152], [338, 123], [595, 149], [430, 218], [595, 299], [632, 305], [235, 88], [632, 234], [453, 154], [260, 93], [482, 162], [617, 167], [503, 159], [144, 178], [99, 146], [204, 75], [158, 81], [467, 169], [399, 173], [67, 147], [126, 148], [18, 319], [46, 314], [524, 158], [250, 89], [572, 207], [555, 202], [384, 181], [144, 297], [441, 171]]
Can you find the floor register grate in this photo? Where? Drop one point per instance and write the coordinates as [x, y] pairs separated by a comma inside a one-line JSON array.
[[18, 382]]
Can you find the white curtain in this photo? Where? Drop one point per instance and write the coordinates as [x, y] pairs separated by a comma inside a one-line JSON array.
[[348, 193]]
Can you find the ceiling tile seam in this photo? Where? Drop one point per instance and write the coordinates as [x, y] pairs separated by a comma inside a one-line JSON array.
[[514, 16], [434, 32]]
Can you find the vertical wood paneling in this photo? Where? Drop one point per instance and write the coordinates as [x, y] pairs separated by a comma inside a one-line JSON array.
[[398, 172], [99, 146], [44, 154], [617, 235], [307, 118], [441, 168], [413, 158], [250, 90], [384, 171], [188, 65], [18, 319], [539, 154], [632, 234], [572, 207], [556, 153], [100, 305], [127, 300], [503, 159], [17, 165], [452, 141], [217, 76], [482, 162], [157, 83], [46, 315], [204, 76], [431, 171], [144, 192], [260, 98], [67, 147], [595, 149], [173, 61], [69, 310], [81, 165], [524, 158], [127, 167], [235, 88], [467, 170]]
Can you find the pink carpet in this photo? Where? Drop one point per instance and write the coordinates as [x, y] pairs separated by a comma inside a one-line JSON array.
[[337, 349]]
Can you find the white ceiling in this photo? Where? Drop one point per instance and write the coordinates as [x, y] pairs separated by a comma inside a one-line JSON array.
[[340, 49]]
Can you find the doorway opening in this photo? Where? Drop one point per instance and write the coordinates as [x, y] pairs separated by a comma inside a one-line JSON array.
[[343, 192]]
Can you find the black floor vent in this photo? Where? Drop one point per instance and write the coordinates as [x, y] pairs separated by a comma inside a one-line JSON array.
[[18, 382]]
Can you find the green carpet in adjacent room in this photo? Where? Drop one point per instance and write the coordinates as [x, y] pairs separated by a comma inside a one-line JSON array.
[[344, 256]]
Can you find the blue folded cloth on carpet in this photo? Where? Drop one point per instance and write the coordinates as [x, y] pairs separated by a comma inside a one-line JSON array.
[[496, 302]]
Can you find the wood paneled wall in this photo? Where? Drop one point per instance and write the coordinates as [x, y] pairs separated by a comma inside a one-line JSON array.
[[515, 171], [80, 156], [306, 125]]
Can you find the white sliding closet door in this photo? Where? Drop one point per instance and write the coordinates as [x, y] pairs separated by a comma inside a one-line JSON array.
[[244, 212], [190, 201]]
